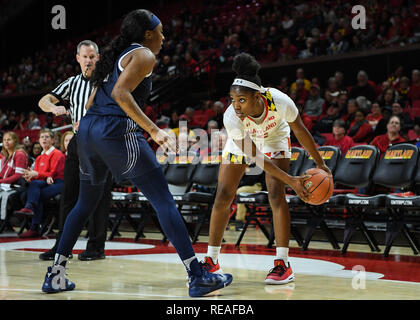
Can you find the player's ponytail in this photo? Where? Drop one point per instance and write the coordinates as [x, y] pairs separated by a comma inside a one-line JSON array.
[[246, 68], [132, 30]]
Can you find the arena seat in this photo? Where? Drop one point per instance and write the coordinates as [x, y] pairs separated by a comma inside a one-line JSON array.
[[315, 215], [196, 203], [396, 170], [178, 173], [355, 169], [258, 206]]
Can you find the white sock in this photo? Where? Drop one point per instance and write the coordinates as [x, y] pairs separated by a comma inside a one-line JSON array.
[[187, 262], [213, 253], [282, 253]]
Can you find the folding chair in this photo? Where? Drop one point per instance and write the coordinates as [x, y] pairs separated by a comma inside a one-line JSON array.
[[315, 215], [403, 209], [259, 200], [355, 170], [178, 175], [201, 203]]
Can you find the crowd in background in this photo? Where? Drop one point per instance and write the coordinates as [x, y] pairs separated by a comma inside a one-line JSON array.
[[200, 40]]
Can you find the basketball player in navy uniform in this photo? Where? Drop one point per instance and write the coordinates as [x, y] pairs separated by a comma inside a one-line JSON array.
[[111, 139]]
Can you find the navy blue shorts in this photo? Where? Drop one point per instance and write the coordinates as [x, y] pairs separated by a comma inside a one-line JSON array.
[[113, 143]]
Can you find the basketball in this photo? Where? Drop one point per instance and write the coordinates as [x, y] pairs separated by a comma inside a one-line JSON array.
[[320, 185]]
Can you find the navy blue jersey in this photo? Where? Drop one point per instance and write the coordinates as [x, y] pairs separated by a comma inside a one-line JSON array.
[[103, 104]]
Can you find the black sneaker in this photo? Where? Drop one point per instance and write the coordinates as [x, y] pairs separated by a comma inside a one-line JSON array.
[[89, 255], [50, 255]]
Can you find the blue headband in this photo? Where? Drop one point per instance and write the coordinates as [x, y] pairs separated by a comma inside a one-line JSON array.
[[154, 23]]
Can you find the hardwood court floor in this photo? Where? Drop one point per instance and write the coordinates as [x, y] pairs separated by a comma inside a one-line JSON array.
[[150, 270]]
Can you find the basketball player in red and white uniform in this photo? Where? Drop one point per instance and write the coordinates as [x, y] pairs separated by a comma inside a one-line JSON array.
[[258, 123]]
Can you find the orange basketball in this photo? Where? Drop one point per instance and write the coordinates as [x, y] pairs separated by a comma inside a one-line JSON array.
[[320, 185]]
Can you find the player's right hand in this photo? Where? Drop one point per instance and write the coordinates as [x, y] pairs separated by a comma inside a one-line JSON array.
[[59, 110], [297, 184]]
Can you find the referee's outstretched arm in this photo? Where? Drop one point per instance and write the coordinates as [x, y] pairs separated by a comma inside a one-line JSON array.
[[48, 104]]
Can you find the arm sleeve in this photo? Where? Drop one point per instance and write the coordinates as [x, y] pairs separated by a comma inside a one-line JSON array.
[[234, 126], [63, 90]]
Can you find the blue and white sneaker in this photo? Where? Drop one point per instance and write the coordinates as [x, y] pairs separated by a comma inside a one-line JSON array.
[[56, 281], [208, 282]]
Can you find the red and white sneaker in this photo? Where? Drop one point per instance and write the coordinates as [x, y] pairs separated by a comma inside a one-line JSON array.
[[209, 265], [280, 274]]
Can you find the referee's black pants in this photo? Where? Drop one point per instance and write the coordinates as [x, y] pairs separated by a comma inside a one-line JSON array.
[[98, 221]]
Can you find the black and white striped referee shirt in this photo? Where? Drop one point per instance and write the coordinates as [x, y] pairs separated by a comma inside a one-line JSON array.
[[76, 90]]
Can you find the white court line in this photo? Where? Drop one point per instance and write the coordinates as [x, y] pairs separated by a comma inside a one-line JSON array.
[[100, 292], [119, 293]]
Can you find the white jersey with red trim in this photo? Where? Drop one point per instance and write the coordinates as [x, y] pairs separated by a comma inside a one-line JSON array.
[[270, 132]]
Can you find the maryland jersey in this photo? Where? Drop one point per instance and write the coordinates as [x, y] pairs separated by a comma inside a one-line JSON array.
[[270, 132]]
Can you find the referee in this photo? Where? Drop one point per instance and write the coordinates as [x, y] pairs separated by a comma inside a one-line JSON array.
[[76, 90]]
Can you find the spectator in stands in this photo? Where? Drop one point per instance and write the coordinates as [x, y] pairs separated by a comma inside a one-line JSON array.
[[339, 137], [325, 122], [218, 109], [375, 115], [414, 93], [414, 134], [287, 51], [307, 51], [356, 45], [36, 151], [362, 88], [352, 107], [300, 75], [10, 87], [407, 122], [190, 64], [50, 124], [57, 139], [45, 181], [339, 78], [65, 140], [284, 85], [331, 92], [360, 131], [27, 144], [301, 92], [388, 98], [314, 104], [403, 90], [269, 54], [338, 45], [381, 127], [13, 159], [10, 123], [33, 121], [392, 135]]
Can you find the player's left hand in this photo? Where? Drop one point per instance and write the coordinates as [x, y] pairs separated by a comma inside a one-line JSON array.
[[162, 138]]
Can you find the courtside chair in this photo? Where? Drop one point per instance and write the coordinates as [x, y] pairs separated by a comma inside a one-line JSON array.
[[355, 170], [255, 202], [315, 216], [404, 208], [178, 172], [198, 202]]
